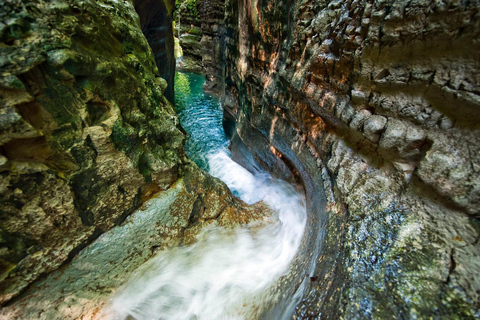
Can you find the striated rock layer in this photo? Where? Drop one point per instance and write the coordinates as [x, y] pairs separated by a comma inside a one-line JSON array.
[[202, 37], [86, 137], [188, 29], [213, 45], [374, 107]]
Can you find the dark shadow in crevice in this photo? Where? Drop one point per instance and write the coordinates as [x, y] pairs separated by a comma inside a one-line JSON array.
[[156, 24]]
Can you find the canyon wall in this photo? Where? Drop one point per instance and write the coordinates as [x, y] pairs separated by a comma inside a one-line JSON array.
[[374, 107], [188, 29], [202, 37], [87, 136], [213, 45]]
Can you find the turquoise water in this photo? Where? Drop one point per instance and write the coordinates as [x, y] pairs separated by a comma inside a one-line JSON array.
[[201, 117], [227, 274]]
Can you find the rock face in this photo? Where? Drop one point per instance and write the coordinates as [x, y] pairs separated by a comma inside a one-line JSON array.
[[373, 106], [213, 45], [87, 136], [203, 41], [80, 289], [82, 133], [188, 28]]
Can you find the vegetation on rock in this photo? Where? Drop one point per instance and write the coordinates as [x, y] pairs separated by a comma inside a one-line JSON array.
[[187, 7]]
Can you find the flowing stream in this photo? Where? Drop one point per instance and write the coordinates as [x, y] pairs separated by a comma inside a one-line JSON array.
[[226, 274]]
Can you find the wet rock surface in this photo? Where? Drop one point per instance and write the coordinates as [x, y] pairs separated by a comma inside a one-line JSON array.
[[373, 105], [78, 165]]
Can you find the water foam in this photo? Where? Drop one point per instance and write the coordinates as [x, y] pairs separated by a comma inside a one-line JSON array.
[[226, 274]]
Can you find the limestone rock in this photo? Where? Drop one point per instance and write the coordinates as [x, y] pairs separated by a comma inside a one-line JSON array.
[[87, 136], [373, 127], [171, 217], [373, 106]]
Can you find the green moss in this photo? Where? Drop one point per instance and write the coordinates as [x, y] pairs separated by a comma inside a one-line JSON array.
[[84, 153], [85, 63], [5, 268], [66, 135], [144, 167], [11, 82], [124, 137], [18, 28], [87, 187], [85, 84], [190, 6], [195, 31]]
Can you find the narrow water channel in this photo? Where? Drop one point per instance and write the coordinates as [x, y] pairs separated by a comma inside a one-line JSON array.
[[225, 274]]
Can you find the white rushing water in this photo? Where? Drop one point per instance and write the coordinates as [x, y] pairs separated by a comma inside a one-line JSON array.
[[226, 274]]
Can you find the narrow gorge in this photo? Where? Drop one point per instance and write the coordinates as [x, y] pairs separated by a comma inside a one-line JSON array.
[[356, 125]]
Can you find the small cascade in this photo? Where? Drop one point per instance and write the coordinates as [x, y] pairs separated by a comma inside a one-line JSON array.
[[226, 274]]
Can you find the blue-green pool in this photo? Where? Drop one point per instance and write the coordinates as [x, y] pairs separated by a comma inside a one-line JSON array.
[[201, 117]]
